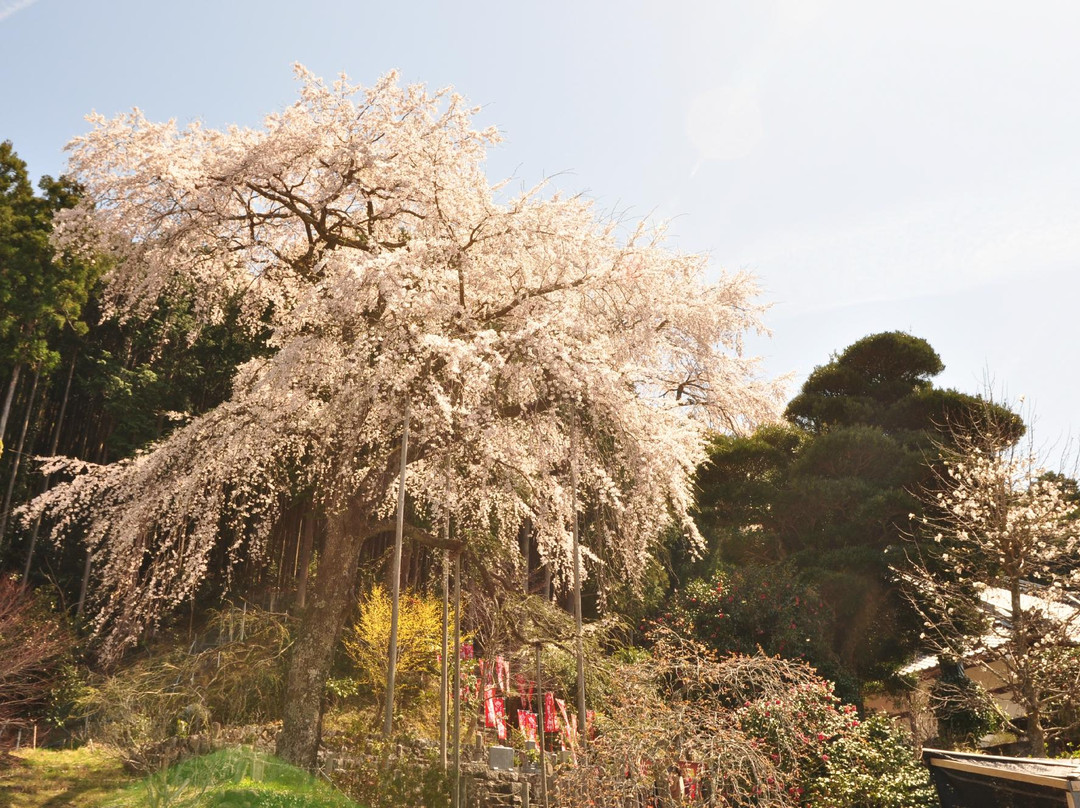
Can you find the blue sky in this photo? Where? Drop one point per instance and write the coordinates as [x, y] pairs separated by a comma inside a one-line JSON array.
[[888, 165]]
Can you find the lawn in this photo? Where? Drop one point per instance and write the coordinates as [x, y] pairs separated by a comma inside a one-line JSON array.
[[232, 778], [47, 778]]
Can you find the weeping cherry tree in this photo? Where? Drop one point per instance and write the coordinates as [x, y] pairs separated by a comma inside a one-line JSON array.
[[358, 226]]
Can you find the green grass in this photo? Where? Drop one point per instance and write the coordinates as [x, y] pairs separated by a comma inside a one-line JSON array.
[[46, 778], [231, 778]]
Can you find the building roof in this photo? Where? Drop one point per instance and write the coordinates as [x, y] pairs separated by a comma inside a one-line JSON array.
[[998, 603]]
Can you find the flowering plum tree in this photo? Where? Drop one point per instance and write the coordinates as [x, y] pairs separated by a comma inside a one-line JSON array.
[[995, 572], [359, 227]]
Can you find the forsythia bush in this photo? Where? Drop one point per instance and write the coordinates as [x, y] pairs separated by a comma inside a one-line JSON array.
[[419, 639]]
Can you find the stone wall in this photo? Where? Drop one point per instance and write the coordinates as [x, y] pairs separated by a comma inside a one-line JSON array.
[[491, 788]]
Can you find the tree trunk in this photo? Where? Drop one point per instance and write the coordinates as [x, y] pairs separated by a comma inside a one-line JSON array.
[[85, 584], [53, 445], [523, 545], [7, 402], [1028, 697], [88, 564], [313, 651], [18, 459]]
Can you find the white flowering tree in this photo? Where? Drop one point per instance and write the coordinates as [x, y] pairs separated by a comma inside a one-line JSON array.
[[995, 572], [358, 226]]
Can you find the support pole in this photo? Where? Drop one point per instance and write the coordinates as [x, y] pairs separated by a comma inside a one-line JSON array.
[[456, 801], [395, 603], [540, 730], [444, 676], [579, 632]]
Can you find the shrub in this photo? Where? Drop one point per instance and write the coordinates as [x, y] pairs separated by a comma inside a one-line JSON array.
[[964, 710], [747, 608], [872, 766], [419, 641], [237, 677], [756, 730], [33, 642]]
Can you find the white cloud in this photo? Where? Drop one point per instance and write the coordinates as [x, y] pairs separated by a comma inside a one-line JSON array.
[[9, 7]]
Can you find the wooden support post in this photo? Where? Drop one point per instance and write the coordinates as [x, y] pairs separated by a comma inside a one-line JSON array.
[[395, 598], [456, 801], [540, 730]]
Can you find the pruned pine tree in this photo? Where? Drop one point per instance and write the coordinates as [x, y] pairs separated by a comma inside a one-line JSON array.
[[359, 226]]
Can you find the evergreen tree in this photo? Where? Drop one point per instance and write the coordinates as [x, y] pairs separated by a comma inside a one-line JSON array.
[[829, 492]]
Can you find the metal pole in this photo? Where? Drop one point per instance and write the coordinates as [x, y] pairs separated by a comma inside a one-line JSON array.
[[577, 596], [540, 729], [395, 602], [457, 683]]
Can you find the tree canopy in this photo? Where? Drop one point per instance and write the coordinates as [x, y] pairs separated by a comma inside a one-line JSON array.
[[828, 493], [40, 290], [520, 339]]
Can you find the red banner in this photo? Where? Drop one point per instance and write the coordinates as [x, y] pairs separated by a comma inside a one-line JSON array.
[[527, 724], [551, 721], [502, 673], [490, 717], [500, 717], [525, 688], [691, 782]]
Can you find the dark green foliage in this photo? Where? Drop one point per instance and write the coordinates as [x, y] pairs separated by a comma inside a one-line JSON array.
[[144, 378], [964, 710], [823, 497], [865, 383], [885, 381], [40, 292], [749, 608]]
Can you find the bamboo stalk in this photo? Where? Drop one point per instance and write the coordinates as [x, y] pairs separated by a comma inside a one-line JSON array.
[[53, 446], [18, 459]]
